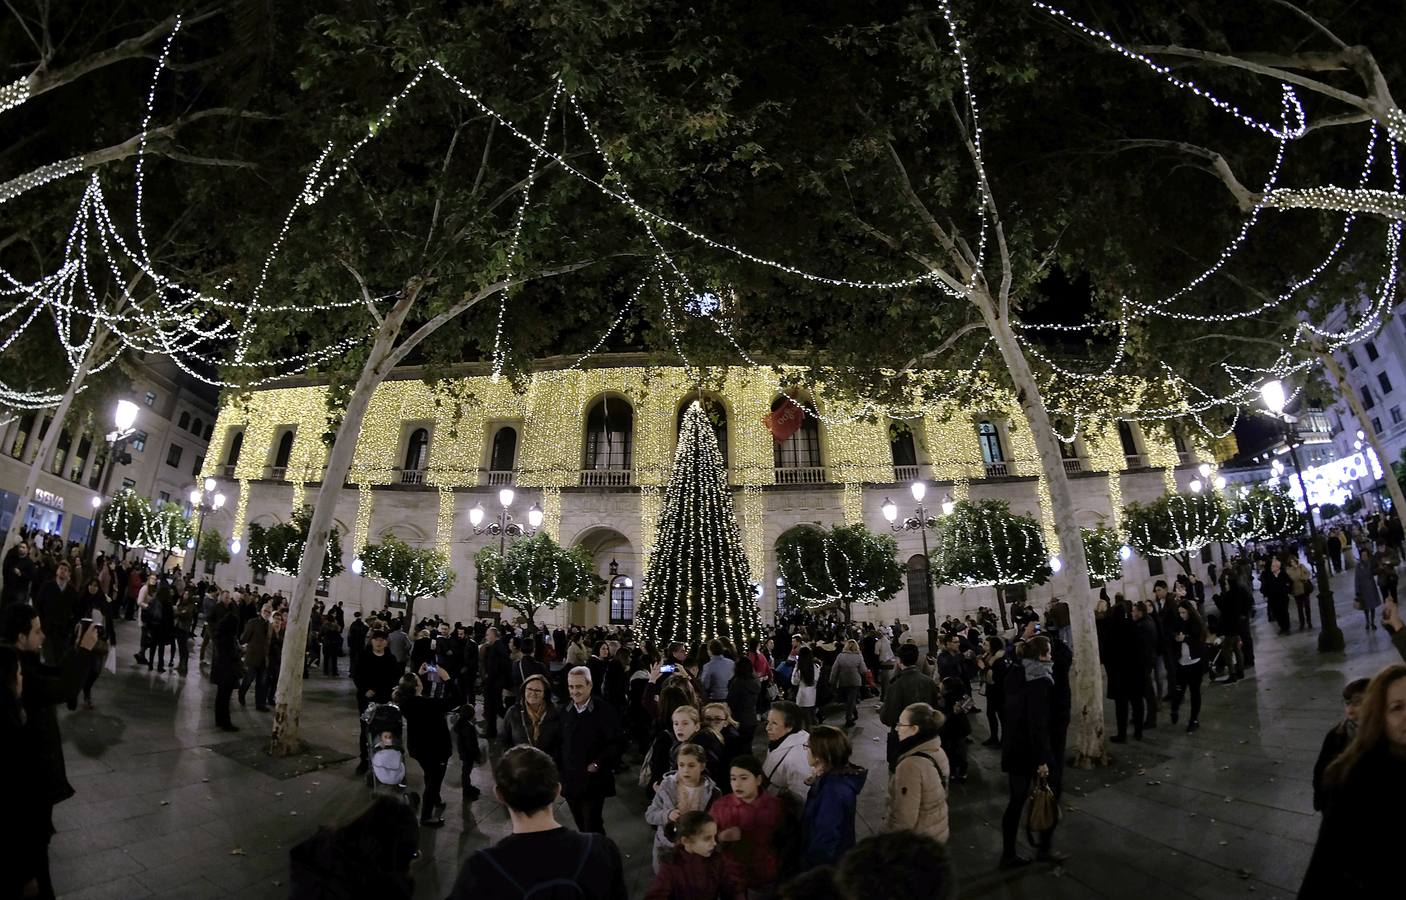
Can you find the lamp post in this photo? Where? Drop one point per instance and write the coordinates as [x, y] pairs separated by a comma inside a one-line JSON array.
[[618, 581], [206, 499], [504, 526], [124, 417], [1330, 636], [920, 521]]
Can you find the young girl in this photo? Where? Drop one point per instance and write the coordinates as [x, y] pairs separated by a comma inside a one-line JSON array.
[[748, 820], [688, 729], [694, 870], [805, 677], [686, 789], [718, 721]]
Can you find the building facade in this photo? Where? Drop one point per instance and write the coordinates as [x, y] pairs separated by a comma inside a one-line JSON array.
[[1376, 370], [175, 421], [593, 448]]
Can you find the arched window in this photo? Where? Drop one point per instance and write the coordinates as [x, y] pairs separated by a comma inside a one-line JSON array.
[[1129, 442], [918, 585], [1178, 439], [609, 429], [990, 438], [197, 426], [184, 422], [61, 452], [236, 444], [417, 450], [622, 600], [284, 451], [800, 450], [717, 417], [504, 452], [22, 436], [904, 453]]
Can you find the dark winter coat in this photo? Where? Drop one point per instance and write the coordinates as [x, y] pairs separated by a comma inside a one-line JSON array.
[[1276, 587], [57, 607], [375, 673], [1356, 856], [827, 821], [45, 687], [224, 671], [256, 642], [427, 733], [590, 737], [908, 686], [1334, 743], [687, 876], [742, 697], [1365, 583], [19, 576], [1127, 659], [847, 670], [1028, 720], [520, 729]]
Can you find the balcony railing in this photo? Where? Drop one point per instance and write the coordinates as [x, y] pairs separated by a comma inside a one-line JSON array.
[[1186, 458], [228, 470], [1073, 466], [502, 477], [802, 475], [277, 473], [1135, 461], [905, 474], [998, 469], [410, 476], [606, 477]]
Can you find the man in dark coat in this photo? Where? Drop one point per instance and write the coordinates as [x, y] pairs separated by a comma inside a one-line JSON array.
[[19, 575], [56, 603], [1028, 750], [908, 686], [591, 743], [496, 669], [1127, 663], [45, 687], [1149, 633], [224, 670], [1276, 587]]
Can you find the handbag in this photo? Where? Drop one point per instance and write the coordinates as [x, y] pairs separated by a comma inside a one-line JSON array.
[[1041, 810]]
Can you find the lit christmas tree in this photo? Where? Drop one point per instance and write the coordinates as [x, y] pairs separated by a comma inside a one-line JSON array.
[[698, 585]]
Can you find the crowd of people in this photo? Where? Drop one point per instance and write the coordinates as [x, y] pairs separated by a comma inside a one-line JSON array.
[[750, 791]]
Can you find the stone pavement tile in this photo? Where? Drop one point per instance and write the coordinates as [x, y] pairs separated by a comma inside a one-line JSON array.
[[197, 889], [88, 869], [113, 888]]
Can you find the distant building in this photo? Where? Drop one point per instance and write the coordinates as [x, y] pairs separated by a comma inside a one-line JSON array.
[[175, 419]]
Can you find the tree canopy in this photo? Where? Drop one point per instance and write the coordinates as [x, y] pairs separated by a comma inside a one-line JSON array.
[[279, 548], [1177, 525], [837, 568], [537, 573]]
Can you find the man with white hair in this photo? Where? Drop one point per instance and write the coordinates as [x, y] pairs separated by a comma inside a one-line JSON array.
[[590, 750]]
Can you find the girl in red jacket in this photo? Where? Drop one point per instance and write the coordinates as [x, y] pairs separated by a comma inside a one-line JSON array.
[[694, 870], [748, 820]]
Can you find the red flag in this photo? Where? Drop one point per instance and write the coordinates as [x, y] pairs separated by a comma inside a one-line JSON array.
[[784, 421]]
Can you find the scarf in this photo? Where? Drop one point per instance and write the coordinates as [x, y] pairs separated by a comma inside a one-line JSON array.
[[1036, 669], [536, 717], [922, 737]]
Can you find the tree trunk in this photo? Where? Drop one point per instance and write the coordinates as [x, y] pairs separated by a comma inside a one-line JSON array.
[[288, 701], [1354, 402], [1001, 603], [408, 625], [47, 444], [1087, 737]]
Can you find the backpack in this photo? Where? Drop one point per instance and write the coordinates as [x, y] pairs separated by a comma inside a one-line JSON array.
[[552, 889]]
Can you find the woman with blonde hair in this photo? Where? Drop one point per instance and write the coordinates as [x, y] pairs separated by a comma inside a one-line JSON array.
[[717, 719], [1356, 855], [847, 674]]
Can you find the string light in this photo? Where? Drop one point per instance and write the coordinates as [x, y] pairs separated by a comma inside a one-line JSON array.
[[535, 573], [984, 544], [412, 572], [820, 573]]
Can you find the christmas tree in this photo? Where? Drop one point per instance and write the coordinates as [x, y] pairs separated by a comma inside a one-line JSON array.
[[698, 585]]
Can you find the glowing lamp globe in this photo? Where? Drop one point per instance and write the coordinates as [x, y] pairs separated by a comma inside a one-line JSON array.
[[505, 497], [1272, 393], [476, 515], [534, 516], [125, 416], [919, 490], [890, 510]]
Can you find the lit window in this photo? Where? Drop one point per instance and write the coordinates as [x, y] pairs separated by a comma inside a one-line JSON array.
[[150, 398], [139, 441]]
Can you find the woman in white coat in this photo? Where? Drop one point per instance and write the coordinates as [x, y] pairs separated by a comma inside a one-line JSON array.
[[787, 768]]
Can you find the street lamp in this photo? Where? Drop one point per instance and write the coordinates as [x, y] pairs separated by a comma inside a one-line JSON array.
[[1330, 636], [921, 521], [205, 498], [504, 526], [124, 418]]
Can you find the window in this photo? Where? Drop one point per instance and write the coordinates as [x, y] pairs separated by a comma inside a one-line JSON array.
[[484, 604], [1385, 382], [195, 469], [184, 422], [1126, 438], [196, 427], [61, 453], [1395, 415], [717, 418], [417, 450], [504, 452], [1376, 425], [1206, 553], [609, 429], [781, 594], [918, 585], [128, 483], [164, 497], [622, 600], [285, 450], [139, 441], [22, 436], [209, 426], [1154, 566], [1371, 348], [802, 449], [323, 588], [990, 439], [150, 398], [209, 567], [1351, 360], [261, 576], [173, 455], [1367, 401], [80, 459], [236, 444], [902, 449]]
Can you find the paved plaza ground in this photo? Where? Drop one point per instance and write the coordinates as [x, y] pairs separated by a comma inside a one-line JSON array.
[[168, 806]]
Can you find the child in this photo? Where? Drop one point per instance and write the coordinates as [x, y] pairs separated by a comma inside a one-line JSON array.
[[748, 820], [461, 722], [1338, 739], [956, 703], [686, 789], [693, 870]]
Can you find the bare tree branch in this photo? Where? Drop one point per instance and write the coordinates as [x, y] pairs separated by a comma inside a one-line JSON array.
[[1317, 25], [946, 344], [905, 186], [365, 294], [1218, 166], [989, 199], [443, 182], [1274, 71]]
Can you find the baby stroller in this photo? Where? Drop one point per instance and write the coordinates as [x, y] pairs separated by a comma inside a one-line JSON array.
[[385, 736]]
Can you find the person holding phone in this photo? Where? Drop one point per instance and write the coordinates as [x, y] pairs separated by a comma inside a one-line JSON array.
[[97, 610]]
